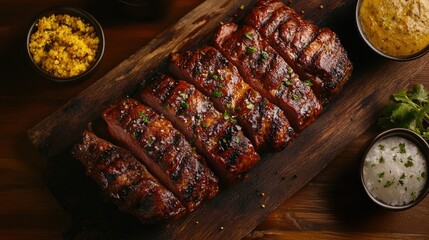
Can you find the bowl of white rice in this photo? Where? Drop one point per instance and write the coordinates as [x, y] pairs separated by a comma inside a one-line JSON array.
[[394, 169]]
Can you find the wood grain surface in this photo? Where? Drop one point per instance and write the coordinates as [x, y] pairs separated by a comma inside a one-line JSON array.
[[331, 206]]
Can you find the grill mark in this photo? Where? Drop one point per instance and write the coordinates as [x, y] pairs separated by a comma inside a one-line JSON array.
[[329, 76], [244, 105], [205, 138], [268, 82], [126, 181]]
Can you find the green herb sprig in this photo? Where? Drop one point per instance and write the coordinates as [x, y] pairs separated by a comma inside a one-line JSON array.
[[409, 108]]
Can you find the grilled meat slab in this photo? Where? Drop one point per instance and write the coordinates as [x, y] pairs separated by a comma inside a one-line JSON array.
[[126, 181], [314, 53], [229, 153], [164, 151], [263, 122], [267, 72]]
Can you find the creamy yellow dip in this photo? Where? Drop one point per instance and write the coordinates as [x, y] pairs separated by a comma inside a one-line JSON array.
[[396, 27]]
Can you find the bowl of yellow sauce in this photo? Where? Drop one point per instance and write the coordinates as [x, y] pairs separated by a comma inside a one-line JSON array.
[[395, 29]]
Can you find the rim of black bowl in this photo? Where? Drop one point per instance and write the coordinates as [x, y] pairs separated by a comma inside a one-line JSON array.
[[76, 12], [378, 51], [424, 148]]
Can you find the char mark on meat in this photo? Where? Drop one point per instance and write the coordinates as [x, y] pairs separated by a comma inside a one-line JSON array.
[[217, 78], [267, 72], [163, 149], [229, 153], [314, 53], [126, 181]]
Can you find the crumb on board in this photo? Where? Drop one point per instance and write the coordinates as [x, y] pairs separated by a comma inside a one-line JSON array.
[[63, 45]]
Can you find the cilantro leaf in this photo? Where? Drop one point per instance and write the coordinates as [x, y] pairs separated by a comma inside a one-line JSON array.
[[419, 94], [409, 108]]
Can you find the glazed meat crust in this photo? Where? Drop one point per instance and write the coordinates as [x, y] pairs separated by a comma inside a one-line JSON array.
[[263, 122], [126, 181], [314, 53], [163, 149], [229, 153], [268, 73]]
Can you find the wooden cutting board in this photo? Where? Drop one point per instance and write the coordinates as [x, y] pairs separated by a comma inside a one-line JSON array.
[[238, 209]]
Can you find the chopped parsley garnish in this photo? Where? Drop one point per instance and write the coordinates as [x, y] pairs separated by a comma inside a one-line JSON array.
[[265, 55], [402, 176], [381, 159], [228, 116], [216, 93], [308, 83], [409, 164], [380, 175], [248, 36], [388, 183], [402, 148], [184, 95], [204, 125], [250, 106], [413, 196], [423, 174], [251, 49], [401, 182], [213, 76], [289, 70], [287, 83], [184, 105], [228, 105], [381, 147], [295, 97], [145, 118], [394, 157]]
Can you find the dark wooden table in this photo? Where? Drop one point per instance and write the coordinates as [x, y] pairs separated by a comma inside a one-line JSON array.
[[332, 206]]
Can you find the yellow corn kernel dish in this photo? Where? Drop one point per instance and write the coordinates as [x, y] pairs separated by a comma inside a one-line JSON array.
[[64, 46]]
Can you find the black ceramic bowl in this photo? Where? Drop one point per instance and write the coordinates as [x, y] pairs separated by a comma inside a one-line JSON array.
[[420, 143], [375, 49], [75, 12]]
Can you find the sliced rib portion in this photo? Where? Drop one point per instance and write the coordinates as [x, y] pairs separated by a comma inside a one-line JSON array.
[[263, 122], [126, 181], [314, 53], [228, 151], [164, 151], [266, 71]]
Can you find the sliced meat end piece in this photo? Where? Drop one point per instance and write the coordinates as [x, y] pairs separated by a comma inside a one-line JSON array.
[[209, 71], [279, 17], [267, 72], [229, 153], [315, 54], [332, 65], [262, 12], [163, 150], [126, 181]]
